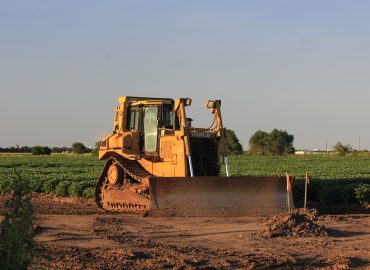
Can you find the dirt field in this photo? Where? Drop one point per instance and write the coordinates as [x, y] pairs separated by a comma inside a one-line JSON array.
[[74, 234]]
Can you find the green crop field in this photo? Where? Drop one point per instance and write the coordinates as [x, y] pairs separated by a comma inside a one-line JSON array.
[[75, 175], [324, 167], [65, 175]]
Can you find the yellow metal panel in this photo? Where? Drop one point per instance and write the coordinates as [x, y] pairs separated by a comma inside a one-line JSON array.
[[166, 147], [173, 160], [164, 168], [147, 165], [179, 151]]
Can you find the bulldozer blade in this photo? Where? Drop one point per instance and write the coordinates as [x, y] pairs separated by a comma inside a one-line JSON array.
[[218, 196]]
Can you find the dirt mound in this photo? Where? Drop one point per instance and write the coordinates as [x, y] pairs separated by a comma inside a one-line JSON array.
[[298, 223]]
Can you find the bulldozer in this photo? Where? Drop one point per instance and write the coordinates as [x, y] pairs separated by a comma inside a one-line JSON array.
[[158, 164]]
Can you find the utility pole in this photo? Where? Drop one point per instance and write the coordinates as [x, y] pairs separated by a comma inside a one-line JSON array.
[[326, 145], [359, 143]]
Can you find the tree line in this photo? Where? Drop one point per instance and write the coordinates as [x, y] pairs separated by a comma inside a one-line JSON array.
[[277, 143], [274, 143], [77, 148], [262, 143]]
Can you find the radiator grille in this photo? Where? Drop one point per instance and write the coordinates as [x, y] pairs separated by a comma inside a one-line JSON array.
[[205, 156]]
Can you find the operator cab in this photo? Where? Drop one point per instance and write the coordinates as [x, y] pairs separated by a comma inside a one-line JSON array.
[[151, 119]]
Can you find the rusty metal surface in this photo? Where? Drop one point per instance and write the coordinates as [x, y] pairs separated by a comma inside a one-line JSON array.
[[218, 196], [125, 195], [124, 200]]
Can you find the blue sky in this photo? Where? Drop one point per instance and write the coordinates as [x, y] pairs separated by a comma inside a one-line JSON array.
[[300, 66]]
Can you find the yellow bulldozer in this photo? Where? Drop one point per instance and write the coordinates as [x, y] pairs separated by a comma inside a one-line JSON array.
[[158, 164]]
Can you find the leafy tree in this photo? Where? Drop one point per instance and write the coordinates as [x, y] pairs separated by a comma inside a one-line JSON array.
[[25, 149], [259, 142], [40, 150], [61, 149], [342, 149], [277, 142], [78, 148], [232, 143], [17, 149], [281, 142], [95, 150], [37, 150]]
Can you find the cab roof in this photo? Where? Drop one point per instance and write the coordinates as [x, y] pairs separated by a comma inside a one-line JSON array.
[[123, 99]]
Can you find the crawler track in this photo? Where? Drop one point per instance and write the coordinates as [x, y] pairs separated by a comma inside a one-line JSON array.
[[123, 196]]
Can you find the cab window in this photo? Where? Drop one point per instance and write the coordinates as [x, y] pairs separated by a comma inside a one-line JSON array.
[[167, 117], [133, 119], [150, 129]]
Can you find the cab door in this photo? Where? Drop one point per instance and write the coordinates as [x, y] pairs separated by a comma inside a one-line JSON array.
[[150, 130]]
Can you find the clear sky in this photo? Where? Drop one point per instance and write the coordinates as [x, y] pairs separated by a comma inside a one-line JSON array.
[[300, 66]]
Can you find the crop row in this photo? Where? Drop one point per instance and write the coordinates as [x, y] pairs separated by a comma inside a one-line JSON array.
[[319, 167], [333, 179], [65, 175]]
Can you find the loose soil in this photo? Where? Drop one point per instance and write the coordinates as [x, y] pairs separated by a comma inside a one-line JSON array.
[[297, 223], [74, 234]]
